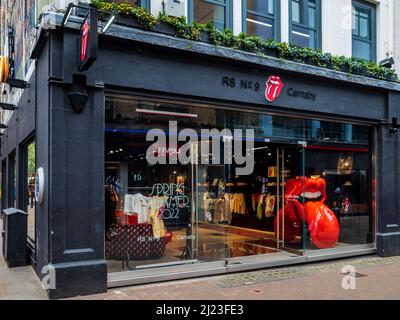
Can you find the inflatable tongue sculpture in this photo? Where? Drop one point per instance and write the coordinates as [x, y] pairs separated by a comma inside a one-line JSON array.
[[305, 201]]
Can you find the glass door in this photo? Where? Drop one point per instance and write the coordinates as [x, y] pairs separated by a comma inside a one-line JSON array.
[[211, 215], [290, 220], [235, 217]]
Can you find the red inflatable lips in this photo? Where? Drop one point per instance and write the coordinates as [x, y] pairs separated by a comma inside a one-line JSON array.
[[292, 221], [322, 222], [274, 87]]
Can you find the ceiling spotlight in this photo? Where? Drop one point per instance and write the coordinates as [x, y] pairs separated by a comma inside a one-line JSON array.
[[108, 24]]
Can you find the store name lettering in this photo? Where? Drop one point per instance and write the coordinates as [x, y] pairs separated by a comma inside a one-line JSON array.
[[232, 82], [308, 95]]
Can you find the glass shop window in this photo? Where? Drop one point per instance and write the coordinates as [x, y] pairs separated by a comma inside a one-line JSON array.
[[169, 214], [262, 18], [341, 155], [216, 11], [364, 31], [29, 173], [305, 23]]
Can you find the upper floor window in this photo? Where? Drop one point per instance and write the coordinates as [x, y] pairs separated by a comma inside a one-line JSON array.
[[217, 11], [364, 31], [305, 26], [261, 18], [139, 3]]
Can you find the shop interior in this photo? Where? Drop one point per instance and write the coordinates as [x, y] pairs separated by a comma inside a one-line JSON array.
[[164, 215]]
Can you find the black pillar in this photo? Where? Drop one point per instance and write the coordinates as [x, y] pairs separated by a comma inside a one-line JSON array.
[[70, 149], [388, 183]]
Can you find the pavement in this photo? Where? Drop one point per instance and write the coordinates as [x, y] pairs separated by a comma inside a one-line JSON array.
[[19, 283], [375, 278]]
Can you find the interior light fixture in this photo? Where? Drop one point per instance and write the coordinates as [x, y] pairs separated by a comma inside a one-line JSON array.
[[108, 24], [168, 113]]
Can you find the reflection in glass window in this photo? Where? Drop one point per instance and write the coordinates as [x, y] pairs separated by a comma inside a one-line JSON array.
[[305, 30], [296, 11], [205, 11], [363, 22], [261, 18]]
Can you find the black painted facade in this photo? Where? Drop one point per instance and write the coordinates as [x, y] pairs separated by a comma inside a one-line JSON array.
[[69, 145]]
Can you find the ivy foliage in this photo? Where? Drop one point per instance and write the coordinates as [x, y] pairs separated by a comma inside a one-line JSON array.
[[252, 43]]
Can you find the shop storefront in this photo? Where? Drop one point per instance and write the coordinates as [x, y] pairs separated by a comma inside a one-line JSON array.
[[312, 175], [204, 212]]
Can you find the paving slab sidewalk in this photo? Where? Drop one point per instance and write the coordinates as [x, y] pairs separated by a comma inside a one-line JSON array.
[[19, 283], [376, 278]]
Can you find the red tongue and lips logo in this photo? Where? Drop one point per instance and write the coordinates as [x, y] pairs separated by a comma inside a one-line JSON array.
[[85, 35], [274, 88]]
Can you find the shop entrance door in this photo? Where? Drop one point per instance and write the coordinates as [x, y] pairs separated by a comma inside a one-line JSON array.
[[210, 239], [289, 224], [235, 217]]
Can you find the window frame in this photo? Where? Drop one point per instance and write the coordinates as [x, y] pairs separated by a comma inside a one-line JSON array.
[[12, 163], [4, 184], [318, 22], [276, 18], [372, 25], [229, 11]]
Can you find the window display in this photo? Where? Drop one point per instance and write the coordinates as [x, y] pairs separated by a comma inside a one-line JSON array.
[[309, 188], [305, 201]]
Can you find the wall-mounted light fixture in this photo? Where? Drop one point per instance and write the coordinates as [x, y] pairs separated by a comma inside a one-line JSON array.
[[17, 83], [8, 106], [394, 126], [387, 63], [78, 100]]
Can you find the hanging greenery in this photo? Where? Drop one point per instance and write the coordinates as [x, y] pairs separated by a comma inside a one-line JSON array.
[[255, 44]]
